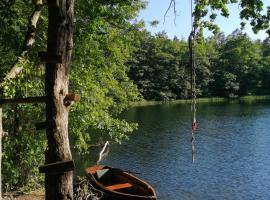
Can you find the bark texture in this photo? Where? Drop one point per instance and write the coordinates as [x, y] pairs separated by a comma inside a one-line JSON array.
[[58, 186]]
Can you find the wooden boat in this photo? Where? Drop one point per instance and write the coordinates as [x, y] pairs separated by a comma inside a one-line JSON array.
[[118, 184]]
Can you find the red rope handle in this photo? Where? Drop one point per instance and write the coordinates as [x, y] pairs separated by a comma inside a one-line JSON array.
[[194, 126]]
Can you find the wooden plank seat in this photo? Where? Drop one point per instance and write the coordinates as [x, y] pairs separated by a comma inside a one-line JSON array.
[[119, 186]]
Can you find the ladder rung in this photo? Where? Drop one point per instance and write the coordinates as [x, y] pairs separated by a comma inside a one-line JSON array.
[[43, 125], [41, 99], [58, 167], [50, 58], [51, 2]]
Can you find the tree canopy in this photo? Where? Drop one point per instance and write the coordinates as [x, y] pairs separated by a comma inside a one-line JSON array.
[[229, 66]]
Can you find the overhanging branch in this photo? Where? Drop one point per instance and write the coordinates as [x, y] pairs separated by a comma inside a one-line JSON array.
[[28, 42]]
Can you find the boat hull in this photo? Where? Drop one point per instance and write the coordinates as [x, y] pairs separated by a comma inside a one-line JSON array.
[[117, 184]]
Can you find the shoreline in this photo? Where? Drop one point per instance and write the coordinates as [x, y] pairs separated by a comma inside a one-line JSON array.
[[244, 99]]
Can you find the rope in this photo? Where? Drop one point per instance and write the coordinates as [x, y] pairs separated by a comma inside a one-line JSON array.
[[193, 85], [194, 110]]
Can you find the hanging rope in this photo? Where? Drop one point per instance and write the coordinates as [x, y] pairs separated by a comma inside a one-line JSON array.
[[193, 84]]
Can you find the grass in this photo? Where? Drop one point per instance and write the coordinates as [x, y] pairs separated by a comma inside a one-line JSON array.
[[254, 98], [244, 99]]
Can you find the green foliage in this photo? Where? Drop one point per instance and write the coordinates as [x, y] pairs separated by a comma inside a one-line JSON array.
[[102, 38], [155, 66], [251, 11], [22, 148], [230, 66], [154, 23], [99, 74]]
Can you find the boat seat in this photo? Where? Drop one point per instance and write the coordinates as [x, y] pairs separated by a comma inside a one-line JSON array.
[[119, 186]]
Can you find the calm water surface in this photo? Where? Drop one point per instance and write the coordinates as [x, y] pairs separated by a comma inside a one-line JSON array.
[[232, 151]]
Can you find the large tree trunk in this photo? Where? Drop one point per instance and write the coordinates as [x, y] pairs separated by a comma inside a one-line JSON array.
[[58, 186]]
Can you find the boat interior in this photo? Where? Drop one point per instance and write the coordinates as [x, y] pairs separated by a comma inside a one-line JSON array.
[[119, 181]]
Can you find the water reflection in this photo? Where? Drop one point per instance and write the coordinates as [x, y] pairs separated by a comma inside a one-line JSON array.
[[232, 145]]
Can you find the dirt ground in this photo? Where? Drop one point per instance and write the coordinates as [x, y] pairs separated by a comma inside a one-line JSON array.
[[36, 195], [82, 190]]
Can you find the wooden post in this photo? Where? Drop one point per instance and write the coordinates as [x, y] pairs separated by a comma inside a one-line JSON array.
[[60, 31]]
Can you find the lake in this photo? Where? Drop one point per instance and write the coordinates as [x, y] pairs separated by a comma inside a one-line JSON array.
[[232, 151]]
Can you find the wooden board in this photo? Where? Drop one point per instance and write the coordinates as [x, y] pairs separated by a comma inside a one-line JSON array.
[[43, 125], [50, 58], [119, 186], [57, 168], [41, 99]]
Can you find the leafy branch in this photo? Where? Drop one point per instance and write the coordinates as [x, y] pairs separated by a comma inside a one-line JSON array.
[[28, 42], [250, 11]]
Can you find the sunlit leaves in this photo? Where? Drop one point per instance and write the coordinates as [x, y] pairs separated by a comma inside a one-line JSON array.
[[99, 72], [205, 13]]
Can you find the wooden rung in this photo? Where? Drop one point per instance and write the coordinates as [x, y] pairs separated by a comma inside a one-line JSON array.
[[51, 2], [43, 125], [50, 58], [58, 167], [41, 99], [73, 97], [119, 186]]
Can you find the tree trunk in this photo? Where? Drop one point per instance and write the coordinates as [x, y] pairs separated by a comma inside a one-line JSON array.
[[60, 32]]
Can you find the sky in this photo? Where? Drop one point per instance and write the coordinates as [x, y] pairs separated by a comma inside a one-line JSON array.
[[157, 8]]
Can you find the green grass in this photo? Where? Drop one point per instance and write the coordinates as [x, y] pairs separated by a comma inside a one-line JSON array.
[[244, 99], [252, 99]]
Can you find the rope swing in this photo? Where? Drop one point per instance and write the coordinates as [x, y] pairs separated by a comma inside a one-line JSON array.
[[192, 83]]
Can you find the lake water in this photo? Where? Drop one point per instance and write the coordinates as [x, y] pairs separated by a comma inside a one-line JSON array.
[[232, 151]]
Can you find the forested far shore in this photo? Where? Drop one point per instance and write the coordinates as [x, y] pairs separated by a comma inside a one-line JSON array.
[[227, 66], [207, 100]]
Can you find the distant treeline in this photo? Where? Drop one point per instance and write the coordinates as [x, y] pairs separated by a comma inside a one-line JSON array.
[[231, 66]]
